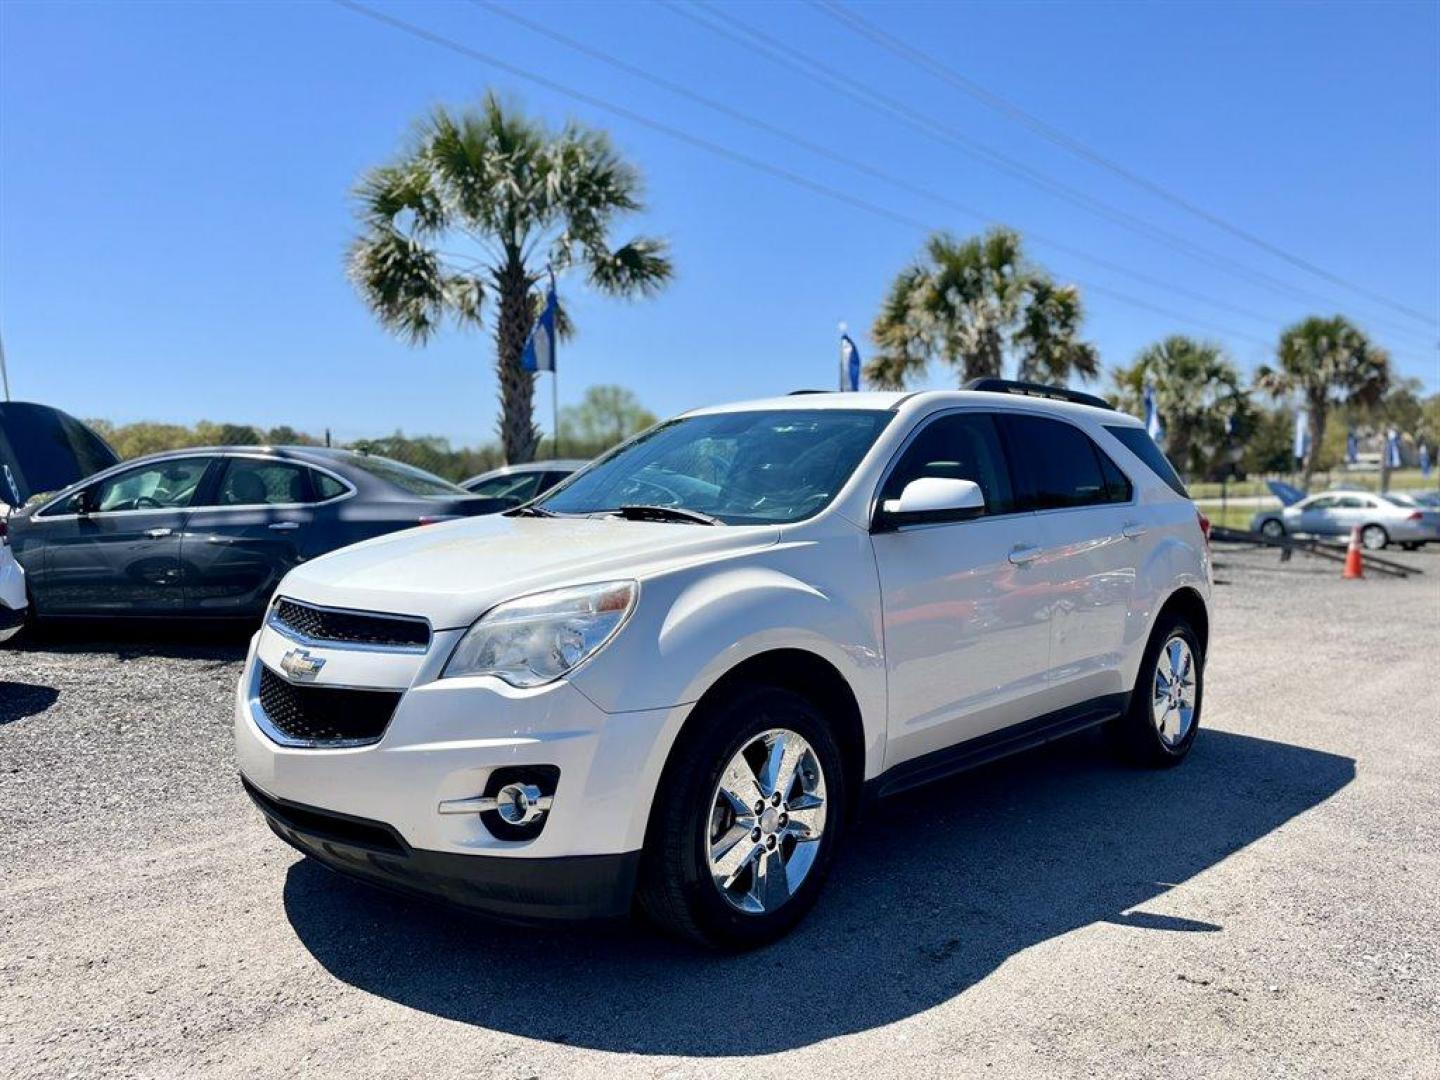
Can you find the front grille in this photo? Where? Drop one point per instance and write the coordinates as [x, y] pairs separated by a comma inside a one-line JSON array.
[[325, 714], [326, 624]]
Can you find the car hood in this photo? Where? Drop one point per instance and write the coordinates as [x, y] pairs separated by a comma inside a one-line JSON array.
[[453, 572]]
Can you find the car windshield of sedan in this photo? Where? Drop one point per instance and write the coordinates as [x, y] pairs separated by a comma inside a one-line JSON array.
[[740, 468]]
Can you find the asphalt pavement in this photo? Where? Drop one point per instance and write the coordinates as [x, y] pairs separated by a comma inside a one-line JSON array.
[[1271, 908]]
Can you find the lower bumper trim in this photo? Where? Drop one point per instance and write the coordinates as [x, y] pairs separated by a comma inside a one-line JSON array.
[[571, 888], [11, 617]]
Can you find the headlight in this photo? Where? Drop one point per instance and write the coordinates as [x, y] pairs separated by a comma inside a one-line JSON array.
[[536, 639]]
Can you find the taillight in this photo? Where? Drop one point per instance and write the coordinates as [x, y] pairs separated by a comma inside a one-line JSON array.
[[1414, 515], [1204, 526]]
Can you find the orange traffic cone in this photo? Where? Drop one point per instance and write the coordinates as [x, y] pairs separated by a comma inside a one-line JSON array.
[[1354, 568]]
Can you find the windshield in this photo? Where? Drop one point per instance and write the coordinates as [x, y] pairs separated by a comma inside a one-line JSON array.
[[744, 468], [406, 477]]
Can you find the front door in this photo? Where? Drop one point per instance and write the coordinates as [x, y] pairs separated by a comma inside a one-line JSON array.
[[115, 549], [965, 614], [253, 529]]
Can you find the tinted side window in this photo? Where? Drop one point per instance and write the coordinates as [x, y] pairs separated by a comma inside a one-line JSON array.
[[961, 446], [254, 482], [326, 486], [1055, 464], [164, 485], [1117, 484], [1138, 442]]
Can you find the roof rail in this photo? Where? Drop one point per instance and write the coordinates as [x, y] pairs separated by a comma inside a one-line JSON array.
[[1032, 389]]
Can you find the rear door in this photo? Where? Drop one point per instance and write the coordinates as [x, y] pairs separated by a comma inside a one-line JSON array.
[[118, 551], [965, 614], [1093, 543], [254, 527]]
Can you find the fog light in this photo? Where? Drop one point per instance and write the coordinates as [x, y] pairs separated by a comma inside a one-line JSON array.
[[520, 804]]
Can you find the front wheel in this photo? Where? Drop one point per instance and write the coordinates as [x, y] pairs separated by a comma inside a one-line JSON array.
[[746, 822], [1163, 719], [1272, 529]]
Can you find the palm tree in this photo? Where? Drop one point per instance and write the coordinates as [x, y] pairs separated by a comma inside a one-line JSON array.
[[478, 207], [1325, 362], [1198, 394], [973, 304]]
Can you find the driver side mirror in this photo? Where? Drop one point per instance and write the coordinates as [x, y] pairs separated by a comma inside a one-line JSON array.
[[931, 499], [83, 502]]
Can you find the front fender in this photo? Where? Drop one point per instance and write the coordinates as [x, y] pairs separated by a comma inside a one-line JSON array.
[[691, 628]]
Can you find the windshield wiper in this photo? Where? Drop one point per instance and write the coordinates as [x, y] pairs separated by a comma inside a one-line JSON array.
[[530, 511], [644, 512]]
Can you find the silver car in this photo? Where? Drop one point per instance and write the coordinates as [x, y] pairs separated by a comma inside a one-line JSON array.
[[1383, 519], [518, 484]]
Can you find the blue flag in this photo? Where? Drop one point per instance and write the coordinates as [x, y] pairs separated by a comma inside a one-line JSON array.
[[539, 354], [1153, 427], [1302, 436], [1392, 449], [1424, 460], [1352, 448], [850, 358]]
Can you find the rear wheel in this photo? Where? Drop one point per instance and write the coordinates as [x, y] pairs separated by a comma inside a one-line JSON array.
[[1411, 545], [746, 822], [1374, 537], [1163, 719]]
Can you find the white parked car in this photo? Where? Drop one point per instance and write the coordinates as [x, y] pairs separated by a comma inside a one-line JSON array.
[[673, 682], [516, 484], [1382, 520], [13, 602]]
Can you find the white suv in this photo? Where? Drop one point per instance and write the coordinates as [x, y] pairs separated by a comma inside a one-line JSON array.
[[673, 681]]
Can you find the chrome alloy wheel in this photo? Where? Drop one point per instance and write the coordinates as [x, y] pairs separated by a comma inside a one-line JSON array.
[[766, 819], [1173, 703]]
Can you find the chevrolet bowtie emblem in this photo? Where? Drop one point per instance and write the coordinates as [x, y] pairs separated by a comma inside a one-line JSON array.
[[299, 664]]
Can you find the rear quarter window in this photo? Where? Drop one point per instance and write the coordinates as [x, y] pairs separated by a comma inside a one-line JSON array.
[[1138, 442]]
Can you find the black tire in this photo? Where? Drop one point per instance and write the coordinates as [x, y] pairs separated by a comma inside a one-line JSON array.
[[1136, 733], [676, 890], [23, 633], [1412, 545], [1272, 528], [1374, 538]]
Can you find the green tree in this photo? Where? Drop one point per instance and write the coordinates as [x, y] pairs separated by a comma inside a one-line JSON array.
[[976, 304], [1197, 391], [1324, 363], [605, 416], [478, 206]]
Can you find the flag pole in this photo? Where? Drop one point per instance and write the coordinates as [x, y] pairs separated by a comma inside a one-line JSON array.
[[843, 328], [4, 372], [555, 409]]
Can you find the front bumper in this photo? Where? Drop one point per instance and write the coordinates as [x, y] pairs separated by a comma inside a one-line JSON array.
[[571, 888], [443, 742]]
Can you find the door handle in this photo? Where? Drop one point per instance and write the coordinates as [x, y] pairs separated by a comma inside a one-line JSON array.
[[1021, 554], [285, 526], [1132, 530], [156, 534], [218, 540]]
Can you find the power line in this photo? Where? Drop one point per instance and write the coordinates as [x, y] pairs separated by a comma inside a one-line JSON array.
[[862, 167], [788, 56], [728, 154], [863, 27]]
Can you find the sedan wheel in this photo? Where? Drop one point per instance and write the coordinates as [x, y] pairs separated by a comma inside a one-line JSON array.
[[1273, 529], [1374, 537]]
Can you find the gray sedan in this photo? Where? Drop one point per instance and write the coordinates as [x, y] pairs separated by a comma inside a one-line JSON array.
[[210, 532], [1382, 519]]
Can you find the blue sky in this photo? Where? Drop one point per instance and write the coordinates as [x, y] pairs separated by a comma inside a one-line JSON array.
[[174, 188]]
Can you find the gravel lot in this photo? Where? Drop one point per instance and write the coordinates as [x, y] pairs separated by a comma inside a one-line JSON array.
[[1270, 909]]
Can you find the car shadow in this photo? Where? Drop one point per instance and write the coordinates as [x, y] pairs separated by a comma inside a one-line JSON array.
[[19, 700], [934, 891]]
